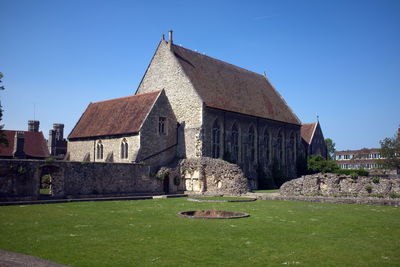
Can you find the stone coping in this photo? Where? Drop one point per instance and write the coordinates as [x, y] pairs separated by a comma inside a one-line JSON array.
[[324, 199], [212, 214], [195, 199]]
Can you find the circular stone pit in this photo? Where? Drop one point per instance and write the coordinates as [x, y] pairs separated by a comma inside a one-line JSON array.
[[212, 214]]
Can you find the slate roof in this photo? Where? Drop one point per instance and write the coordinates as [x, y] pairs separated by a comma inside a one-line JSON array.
[[114, 117], [34, 146], [225, 86], [307, 131]]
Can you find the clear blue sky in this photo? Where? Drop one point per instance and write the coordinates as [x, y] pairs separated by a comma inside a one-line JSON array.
[[336, 59]]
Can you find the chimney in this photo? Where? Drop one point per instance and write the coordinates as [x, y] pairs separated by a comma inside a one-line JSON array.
[[51, 143], [170, 39], [59, 129], [19, 142], [33, 126]]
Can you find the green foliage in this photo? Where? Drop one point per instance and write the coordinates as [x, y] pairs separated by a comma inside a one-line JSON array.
[[45, 181], [359, 172], [380, 195], [21, 170], [368, 188], [177, 180], [394, 195], [354, 175], [316, 163], [375, 180], [330, 146], [50, 160], [390, 151]]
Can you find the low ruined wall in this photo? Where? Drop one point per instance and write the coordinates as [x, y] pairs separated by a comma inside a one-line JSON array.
[[209, 176], [21, 178], [330, 184]]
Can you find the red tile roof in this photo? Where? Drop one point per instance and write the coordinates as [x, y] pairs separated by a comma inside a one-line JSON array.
[[359, 151], [307, 131], [34, 146], [228, 87], [114, 117]]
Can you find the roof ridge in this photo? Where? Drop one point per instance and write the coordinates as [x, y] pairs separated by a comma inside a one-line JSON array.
[[220, 60], [125, 97]]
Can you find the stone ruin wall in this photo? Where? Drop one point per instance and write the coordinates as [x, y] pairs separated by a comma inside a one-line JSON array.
[[20, 179], [329, 184], [208, 176]]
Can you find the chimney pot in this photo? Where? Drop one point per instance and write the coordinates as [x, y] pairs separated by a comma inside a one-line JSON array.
[[170, 39]]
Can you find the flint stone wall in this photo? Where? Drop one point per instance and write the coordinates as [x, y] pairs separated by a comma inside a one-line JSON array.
[[209, 176], [329, 184], [20, 179]]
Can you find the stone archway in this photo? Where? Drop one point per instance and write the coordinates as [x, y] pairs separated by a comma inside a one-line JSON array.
[[51, 181]]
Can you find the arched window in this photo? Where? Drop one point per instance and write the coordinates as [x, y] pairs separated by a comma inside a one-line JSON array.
[[99, 150], [291, 148], [235, 143], [252, 146], [266, 142], [280, 147], [124, 149], [216, 142]]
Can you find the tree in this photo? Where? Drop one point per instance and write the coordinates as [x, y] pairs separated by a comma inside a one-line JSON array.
[[390, 152], [316, 163], [3, 139], [330, 147]]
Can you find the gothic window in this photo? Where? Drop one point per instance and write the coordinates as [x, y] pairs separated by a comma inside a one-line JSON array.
[[235, 143], [124, 149], [266, 141], [162, 125], [216, 139], [279, 150], [291, 148], [252, 146], [99, 150]]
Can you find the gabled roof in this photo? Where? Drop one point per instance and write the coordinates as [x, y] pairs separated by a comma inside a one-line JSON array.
[[228, 87], [34, 145], [114, 117], [308, 130]]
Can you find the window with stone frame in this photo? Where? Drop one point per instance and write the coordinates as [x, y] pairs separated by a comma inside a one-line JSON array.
[[124, 149], [279, 146], [216, 139], [235, 143], [266, 150], [291, 149], [162, 125], [252, 145], [99, 150]]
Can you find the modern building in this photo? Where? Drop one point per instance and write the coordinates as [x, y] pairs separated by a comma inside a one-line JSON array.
[[366, 158]]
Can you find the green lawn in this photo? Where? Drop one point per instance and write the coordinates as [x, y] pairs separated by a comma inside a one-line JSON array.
[[148, 232], [221, 198], [266, 191]]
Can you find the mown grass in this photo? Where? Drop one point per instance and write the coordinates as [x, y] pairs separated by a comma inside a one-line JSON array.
[[148, 233], [266, 191]]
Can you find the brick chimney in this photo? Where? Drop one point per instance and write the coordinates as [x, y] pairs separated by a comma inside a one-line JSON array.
[[33, 126], [170, 39], [19, 142]]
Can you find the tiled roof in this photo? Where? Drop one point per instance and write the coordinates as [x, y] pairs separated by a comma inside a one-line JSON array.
[[307, 131], [34, 146], [114, 117], [359, 151], [228, 87]]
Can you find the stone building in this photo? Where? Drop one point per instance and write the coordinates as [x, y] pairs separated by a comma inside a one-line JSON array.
[[313, 140], [57, 144], [217, 109], [25, 144], [135, 128]]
